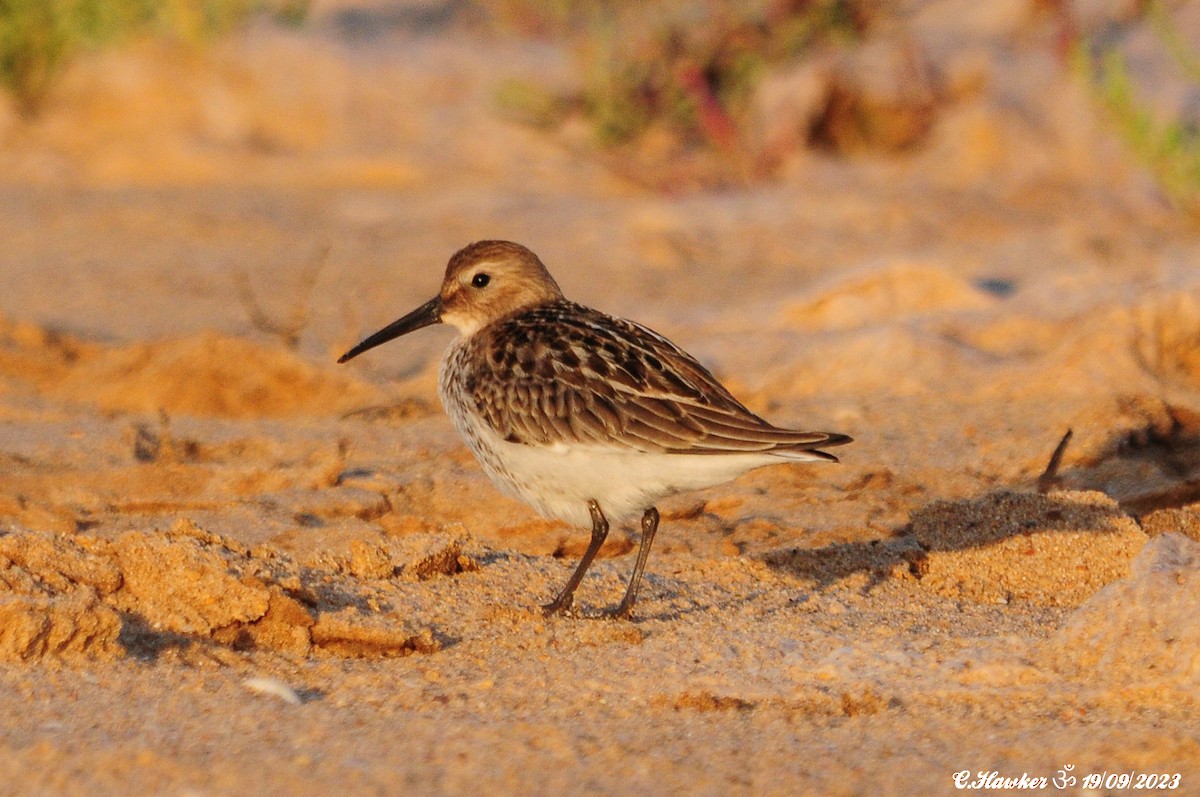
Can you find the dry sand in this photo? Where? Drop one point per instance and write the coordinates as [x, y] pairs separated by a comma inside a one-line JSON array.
[[229, 566]]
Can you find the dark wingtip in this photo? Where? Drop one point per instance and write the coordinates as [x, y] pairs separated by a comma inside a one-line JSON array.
[[831, 439]]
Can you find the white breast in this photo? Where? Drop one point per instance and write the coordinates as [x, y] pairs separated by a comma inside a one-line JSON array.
[[559, 480]]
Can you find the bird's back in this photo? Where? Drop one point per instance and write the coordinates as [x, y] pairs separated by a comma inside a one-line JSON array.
[[563, 373]]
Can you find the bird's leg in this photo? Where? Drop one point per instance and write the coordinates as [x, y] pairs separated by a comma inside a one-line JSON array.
[[599, 531], [649, 527]]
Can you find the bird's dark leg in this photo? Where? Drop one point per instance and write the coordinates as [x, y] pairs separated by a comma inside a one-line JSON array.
[[649, 527], [599, 531]]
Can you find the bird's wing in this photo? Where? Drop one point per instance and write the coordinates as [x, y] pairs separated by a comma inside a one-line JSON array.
[[563, 373]]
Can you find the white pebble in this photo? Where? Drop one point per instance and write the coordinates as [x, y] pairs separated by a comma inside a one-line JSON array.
[[273, 686]]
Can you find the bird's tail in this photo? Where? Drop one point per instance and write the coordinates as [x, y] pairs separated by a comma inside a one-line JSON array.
[[811, 450]]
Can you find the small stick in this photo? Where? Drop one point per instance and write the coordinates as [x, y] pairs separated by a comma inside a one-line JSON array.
[[1049, 478], [287, 331]]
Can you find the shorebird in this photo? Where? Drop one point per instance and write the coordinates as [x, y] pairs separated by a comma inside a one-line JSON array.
[[583, 416]]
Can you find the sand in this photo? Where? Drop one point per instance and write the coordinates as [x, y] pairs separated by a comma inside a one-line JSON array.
[[230, 566]]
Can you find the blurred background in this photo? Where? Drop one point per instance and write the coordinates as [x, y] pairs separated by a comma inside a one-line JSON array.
[[300, 170], [963, 232]]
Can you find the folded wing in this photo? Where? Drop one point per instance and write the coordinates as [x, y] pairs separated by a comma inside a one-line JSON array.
[[564, 373]]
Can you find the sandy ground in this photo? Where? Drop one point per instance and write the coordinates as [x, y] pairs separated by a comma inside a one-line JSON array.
[[229, 566]]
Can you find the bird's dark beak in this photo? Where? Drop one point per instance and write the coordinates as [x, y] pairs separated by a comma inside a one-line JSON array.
[[423, 316]]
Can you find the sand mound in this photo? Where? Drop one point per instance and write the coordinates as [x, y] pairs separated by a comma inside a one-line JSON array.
[[50, 600], [145, 591], [1141, 630], [1055, 549], [33, 354], [1166, 331], [204, 374], [182, 585], [885, 294], [68, 625], [1182, 520], [208, 374], [1052, 550]]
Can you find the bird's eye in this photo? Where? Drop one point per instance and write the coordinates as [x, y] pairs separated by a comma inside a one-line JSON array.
[[480, 280]]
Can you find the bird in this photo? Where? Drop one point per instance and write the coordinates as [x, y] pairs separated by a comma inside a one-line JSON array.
[[584, 416]]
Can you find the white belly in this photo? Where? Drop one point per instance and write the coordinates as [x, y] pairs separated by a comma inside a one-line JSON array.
[[559, 480]]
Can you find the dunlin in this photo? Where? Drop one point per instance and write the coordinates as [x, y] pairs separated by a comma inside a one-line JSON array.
[[584, 416]]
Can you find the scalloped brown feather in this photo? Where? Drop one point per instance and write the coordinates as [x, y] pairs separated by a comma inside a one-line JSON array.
[[565, 373]]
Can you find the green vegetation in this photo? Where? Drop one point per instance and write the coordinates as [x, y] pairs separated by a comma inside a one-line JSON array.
[[39, 37], [690, 68], [1169, 148], [697, 76]]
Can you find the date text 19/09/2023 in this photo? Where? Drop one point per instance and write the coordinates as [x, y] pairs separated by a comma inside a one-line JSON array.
[[1065, 779]]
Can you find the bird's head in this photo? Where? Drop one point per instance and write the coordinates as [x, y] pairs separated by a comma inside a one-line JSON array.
[[485, 282]]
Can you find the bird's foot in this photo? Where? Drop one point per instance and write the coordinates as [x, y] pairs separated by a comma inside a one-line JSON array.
[[563, 604], [622, 612]]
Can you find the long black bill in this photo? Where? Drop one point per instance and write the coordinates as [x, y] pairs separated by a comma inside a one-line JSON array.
[[423, 316]]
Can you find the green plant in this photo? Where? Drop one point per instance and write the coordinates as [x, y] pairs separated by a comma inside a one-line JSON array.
[[39, 37], [694, 71], [1169, 148], [36, 37], [688, 68]]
